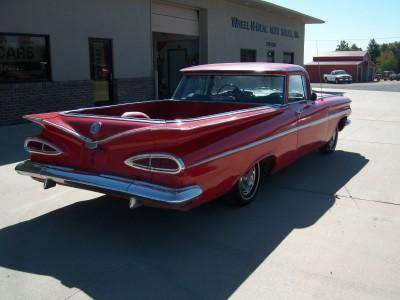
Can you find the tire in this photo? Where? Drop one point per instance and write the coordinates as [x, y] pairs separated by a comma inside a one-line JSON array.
[[330, 146], [245, 190], [337, 81]]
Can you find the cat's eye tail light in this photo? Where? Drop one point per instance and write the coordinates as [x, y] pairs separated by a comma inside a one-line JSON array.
[[157, 162], [39, 146]]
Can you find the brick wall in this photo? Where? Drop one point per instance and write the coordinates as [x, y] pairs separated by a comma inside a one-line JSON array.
[[18, 99], [134, 89]]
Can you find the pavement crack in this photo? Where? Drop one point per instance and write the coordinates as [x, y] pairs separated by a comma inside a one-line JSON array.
[[73, 294], [370, 142], [374, 120], [349, 196]]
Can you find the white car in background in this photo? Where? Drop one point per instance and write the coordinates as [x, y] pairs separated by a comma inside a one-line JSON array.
[[338, 76]]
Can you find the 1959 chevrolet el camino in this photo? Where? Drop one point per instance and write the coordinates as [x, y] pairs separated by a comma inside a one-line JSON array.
[[223, 126]]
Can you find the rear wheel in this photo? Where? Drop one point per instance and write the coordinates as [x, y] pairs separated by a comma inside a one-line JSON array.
[[246, 188], [330, 146]]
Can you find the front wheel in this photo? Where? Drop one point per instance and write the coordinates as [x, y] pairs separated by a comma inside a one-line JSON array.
[[246, 188], [330, 146]]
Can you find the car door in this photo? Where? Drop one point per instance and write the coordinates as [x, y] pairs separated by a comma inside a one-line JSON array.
[[312, 129]]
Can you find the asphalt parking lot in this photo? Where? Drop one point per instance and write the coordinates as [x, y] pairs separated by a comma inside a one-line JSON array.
[[326, 227]]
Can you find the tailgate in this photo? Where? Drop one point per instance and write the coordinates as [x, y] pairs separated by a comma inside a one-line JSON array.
[[96, 145]]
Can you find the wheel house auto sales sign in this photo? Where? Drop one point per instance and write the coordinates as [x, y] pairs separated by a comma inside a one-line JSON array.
[[268, 29]]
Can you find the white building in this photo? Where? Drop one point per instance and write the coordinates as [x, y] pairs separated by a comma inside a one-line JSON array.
[[57, 55]]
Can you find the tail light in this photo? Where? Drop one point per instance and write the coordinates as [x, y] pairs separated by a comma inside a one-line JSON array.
[[157, 162], [40, 146]]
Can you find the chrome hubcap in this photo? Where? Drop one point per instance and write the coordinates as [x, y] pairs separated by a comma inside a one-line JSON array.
[[247, 182], [332, 141]]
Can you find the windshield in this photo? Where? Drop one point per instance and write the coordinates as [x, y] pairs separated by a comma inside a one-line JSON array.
[[341, 72], [266, 89]]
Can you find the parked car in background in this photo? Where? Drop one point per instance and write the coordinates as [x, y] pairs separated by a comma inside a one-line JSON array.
[[223, 126], [338, 76], [378, 76], [394, 76], [386, 75]]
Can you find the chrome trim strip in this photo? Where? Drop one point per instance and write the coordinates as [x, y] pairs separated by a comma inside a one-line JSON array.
[[152, 193], [90, 144], [269, 139], [142, 120], [65, 129], [66, 112], [34, 120], [57, 151], [179, 162], [162, 121]]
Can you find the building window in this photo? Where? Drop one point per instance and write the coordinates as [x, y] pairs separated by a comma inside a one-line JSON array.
[[271, 56], [24, 57], [248, 55], [288, 57]]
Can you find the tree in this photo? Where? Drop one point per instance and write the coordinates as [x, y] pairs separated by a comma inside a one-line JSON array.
[[386, 61], [354, 47], [343, 46], [373, 50]]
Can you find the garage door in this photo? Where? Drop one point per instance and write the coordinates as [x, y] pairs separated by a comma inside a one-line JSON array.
[[174, 19]]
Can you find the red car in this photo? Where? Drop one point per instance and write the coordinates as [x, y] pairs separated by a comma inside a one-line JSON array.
[[223, 126]]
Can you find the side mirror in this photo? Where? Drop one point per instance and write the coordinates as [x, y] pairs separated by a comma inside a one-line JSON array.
[[314, 97]]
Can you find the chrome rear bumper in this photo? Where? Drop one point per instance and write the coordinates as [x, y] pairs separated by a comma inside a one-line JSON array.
[[146, 193]]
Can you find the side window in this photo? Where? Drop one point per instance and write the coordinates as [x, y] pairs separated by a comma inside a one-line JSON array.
[[297, 88]]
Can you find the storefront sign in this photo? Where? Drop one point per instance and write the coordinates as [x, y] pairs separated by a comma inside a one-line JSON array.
[[21, 48], [264, 28], [21, 53]]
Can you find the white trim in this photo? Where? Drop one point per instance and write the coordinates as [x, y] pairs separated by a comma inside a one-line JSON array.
[[271, 138], [179, 163], [56, 150]]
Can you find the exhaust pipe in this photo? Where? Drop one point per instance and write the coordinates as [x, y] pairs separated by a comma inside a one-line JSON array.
[[48, 184], [134, 203]]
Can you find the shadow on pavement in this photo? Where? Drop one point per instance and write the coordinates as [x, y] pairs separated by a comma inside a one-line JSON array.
[[12, 142], [109, 252]]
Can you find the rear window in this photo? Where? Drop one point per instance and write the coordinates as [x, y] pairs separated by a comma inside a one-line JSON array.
[[263, 89]]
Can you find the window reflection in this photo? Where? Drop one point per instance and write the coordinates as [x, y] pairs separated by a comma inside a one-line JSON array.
[[24, 57]]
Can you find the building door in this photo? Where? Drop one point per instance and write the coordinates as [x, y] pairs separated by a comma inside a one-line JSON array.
[[176, 41], [101, 70], [271, 56], [176, 61], [288, 57]]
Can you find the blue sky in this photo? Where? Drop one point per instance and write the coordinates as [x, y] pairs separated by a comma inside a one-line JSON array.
[[354, 21]]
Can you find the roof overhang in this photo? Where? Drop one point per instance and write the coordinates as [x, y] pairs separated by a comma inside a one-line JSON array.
[[334, 63], [280, 10]]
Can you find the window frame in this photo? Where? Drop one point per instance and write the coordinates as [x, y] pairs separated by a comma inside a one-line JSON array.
[[305, 88], [48, 56]]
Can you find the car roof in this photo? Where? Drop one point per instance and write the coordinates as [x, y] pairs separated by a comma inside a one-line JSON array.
[[254, 67]]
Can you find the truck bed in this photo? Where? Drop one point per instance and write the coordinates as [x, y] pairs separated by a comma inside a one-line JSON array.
[[163, 109]]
